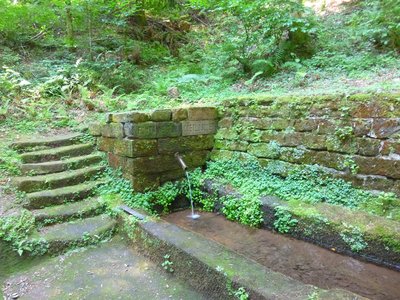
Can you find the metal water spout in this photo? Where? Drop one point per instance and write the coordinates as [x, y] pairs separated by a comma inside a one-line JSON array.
[[181, 162], [184, 167]]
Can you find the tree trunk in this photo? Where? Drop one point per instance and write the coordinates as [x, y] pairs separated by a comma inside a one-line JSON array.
[[70, 40]]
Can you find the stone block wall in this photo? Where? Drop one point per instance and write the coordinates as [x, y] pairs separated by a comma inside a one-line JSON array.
[[356, 137], [143, 144]]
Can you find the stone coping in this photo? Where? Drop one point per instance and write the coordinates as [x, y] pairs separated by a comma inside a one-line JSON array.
[[216, 271]]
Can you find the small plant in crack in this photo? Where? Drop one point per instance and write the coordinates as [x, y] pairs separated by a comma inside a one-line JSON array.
[[167, 263]]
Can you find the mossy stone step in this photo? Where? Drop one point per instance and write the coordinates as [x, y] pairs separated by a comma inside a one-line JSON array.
[[57, 153], [68, 211], [77, 233], [55, 141], [30, 184], [60, 165], [61, 195]]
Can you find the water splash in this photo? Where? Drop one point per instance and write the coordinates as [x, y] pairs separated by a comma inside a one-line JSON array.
[[193, 215]]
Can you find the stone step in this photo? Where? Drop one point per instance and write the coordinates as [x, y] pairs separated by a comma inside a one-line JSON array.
[[77, 233], [25, 145], [61, 195], [31, 184], [60, 165], [215, 270], [57, 153], [68, 211]]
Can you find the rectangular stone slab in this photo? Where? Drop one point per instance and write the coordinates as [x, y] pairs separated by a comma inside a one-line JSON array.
[[146, 130], [198, 127]]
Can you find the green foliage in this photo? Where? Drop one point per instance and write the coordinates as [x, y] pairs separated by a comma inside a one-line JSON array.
[[348, 163], [129, 227], [284, 220], [115, 184], [384, 204], [167, 264], [308, 184], [165, 195], [17, 230], [245, 210], [380, 21], [343, 133], [353, 237], [264, 34], [9, 161], [241, 294]]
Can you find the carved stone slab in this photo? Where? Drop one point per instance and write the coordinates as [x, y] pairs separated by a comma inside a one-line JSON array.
[[198, 127]]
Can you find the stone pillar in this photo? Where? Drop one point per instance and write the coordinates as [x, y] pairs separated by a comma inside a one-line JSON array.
[[143, 144]]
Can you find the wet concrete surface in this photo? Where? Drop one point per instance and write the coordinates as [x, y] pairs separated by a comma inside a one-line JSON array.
[[300, 260], [112, 270]]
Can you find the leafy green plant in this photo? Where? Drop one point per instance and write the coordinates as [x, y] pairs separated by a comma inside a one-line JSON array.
[[353, 237], [284, 221], [270, 32], [167, 264], [241, 294], [115, 184], [382, 26], [348, 163], [165, 195], [17, 230], [310, 184], [245, 210], [344, 132]]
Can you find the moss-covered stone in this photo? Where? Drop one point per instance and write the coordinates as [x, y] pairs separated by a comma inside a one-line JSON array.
[[225, 123], [60, 195], [160, 115], [378, 166], [135, 148], [368, 147], [202, 113], [270, 123], [112, 130], [179, 114], [226, 134], [334, 144], [25, 144], [384, 128], [152, 165], [60, 213], [133, 116], [56, 153], [264, 150], [168, 129], [50, 181], [200, 127], [231, 145], [61, 236], [146, 130], [389, 147], [95, 129], [141, 182], [187, 143], [60, 165]]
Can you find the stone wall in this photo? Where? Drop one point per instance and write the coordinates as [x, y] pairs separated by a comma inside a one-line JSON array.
[[143, 144], [356, 137]]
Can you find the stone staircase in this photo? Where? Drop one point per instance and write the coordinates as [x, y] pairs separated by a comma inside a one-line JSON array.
[[59, 182]]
